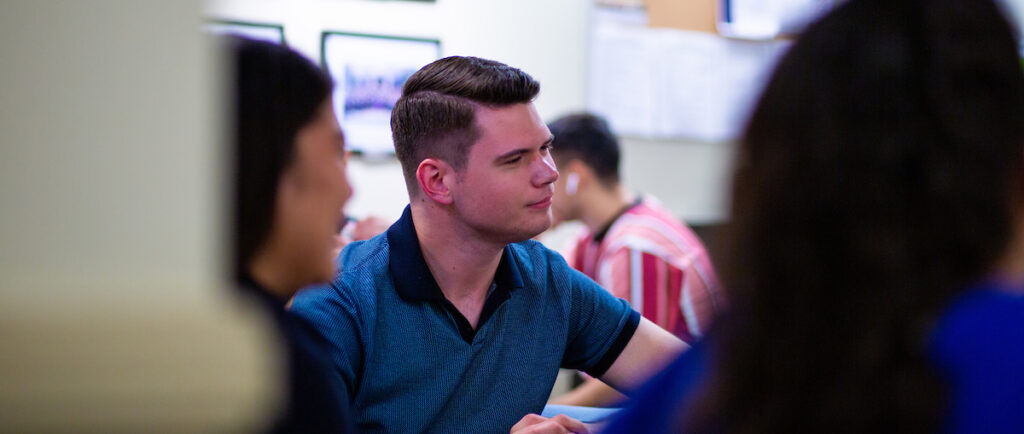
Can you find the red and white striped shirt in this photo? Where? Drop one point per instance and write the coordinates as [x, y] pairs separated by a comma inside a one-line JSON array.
[[656, 262]]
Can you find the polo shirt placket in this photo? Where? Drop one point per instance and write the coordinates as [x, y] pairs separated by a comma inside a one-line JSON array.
[[415, 283]]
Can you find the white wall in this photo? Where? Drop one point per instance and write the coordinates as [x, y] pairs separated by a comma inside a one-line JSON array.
[[547, 39], [113, 311], [690, 178]]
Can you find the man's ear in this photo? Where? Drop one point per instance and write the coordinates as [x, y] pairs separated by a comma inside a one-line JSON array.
[[435, 178]]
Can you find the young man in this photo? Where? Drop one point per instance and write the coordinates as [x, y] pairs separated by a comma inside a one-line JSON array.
[[453, 321], [632, 247], [289, 187]]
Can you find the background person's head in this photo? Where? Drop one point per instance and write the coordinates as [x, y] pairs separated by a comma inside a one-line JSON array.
[[587, 154], [472, 146], [289, 164], [880, 174]]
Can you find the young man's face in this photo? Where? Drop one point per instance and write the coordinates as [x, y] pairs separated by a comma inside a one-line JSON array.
[[504, 192], [311, 194]]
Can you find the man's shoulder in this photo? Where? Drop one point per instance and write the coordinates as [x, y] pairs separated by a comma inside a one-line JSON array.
[[651, 228], [650, 208], [367, 255], [543, 268], [534, 254], [362, 265]]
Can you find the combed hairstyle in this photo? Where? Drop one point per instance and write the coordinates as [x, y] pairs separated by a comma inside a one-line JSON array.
[[436, 114], [876, 180], [588, 138], [276, 92]]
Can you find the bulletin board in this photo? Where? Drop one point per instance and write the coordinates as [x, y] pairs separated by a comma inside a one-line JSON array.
[[693, 15], [670, 73]]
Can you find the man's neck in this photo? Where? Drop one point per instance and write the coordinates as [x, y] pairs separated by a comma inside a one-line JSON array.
[[604, 206], [462, 264]]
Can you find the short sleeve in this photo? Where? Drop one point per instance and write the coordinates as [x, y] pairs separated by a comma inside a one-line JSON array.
[[600, 326], [328, 314]]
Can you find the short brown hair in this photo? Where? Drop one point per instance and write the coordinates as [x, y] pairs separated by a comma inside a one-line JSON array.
[[436, 115]]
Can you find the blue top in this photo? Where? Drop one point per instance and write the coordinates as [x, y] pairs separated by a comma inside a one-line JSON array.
[[978, 344], [410, 361], [315, 400]]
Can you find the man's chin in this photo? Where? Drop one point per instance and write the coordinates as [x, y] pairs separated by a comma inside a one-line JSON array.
[[532, 233]]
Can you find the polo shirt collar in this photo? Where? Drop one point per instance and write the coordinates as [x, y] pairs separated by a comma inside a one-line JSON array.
[[410, 273]]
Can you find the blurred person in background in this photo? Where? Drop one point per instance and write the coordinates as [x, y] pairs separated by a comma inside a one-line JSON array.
[[353, 229], [289, 185], [632, 246], [875, 266]]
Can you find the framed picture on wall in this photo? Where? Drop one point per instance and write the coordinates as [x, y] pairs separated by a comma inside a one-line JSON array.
[[260, 31], [368, 73]]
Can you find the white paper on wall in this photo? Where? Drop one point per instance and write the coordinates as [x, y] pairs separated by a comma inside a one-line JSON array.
[[665, 83]]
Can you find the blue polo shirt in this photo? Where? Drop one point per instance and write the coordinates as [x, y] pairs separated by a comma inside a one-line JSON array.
[[411, 362]]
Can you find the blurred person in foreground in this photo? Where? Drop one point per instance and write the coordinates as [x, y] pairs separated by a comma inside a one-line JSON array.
[[454, 320], [632, 246], [289, 187], [876, 263]]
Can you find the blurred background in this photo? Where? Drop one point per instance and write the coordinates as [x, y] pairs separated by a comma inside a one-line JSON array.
[[114, 308]]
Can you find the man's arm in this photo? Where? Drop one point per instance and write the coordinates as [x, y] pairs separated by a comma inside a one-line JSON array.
[[609, 339], [649, 350], [592, 393], [595, 393]]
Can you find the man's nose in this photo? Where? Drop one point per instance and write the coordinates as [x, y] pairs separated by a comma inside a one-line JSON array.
[[546, 172]]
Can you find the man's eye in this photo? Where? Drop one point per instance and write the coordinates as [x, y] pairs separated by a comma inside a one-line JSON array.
[[513, 160]]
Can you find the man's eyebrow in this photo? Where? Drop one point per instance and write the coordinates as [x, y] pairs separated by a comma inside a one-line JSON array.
[[515, 152], [511, 154]]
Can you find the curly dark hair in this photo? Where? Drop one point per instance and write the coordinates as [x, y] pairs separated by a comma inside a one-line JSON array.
[[588, 138], [876, 179]]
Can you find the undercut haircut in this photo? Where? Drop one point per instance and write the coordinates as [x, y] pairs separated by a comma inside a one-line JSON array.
[[436, 115], [588, 138]]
